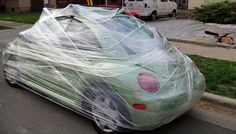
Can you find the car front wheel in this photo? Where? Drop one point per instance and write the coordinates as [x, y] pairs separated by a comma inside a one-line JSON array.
[[105, 114], [11, 76]]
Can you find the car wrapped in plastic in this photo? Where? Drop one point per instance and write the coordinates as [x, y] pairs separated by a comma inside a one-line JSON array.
[[112, 68]]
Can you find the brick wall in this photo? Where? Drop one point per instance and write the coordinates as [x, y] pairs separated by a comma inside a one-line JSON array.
[[37, 5]]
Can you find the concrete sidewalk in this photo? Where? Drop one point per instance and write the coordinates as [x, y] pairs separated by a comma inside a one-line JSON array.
[[14, 25], [190, 30], [211, 52]]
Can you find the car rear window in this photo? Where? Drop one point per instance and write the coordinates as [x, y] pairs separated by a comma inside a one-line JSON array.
[[81, 36], [135, 36], [124, 25]]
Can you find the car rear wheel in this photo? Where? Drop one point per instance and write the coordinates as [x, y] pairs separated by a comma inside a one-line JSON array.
[[107, 110], [105, 114]]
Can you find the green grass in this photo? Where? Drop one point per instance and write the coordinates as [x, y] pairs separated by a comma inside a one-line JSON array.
[[220, 75], [30, 17]]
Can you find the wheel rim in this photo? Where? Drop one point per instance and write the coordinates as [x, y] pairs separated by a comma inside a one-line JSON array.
[[105, 113]]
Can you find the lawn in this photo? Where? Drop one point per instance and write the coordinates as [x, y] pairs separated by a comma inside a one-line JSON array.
[[220, 75], [30, 17]]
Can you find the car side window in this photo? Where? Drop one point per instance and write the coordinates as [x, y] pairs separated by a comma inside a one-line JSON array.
[[164, 0]]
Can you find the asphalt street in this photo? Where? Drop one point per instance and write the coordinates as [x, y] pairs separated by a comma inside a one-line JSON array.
[[23, 112]]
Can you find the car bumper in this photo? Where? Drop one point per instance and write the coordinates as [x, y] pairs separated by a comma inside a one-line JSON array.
[[162, 111]]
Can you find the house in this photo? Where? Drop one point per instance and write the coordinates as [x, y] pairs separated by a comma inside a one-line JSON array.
[[63, 3], [37, 5], [182, 4]]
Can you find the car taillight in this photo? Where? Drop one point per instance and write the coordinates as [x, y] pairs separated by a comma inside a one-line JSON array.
[[145, 5], [148, 82], [139, 106]]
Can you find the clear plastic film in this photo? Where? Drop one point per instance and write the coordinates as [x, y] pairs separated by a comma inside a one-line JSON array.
[[112, 68]]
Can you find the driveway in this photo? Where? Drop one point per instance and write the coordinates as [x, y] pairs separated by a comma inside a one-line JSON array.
[[190, 30]]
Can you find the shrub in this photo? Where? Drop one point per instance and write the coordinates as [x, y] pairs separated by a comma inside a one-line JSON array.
[[223, 12]]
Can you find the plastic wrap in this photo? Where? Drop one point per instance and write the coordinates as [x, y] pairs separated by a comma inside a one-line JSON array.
[[112, 68]]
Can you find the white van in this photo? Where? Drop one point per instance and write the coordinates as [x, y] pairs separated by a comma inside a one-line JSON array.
[[151, 8]]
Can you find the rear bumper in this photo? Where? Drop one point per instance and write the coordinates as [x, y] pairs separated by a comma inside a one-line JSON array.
[[162, 111]]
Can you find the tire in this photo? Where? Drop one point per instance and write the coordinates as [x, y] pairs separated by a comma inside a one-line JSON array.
[[153, 16], [11, 79], [101, 101], [173, 14]]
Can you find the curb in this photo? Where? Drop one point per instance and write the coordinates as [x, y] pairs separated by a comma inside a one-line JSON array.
[[227, 26], [206, 44], [219, 100], [214, 118]]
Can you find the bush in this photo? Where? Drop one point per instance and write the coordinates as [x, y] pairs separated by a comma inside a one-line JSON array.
[[223, 12]]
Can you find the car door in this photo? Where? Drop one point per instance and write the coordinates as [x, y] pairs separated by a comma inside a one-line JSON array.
[[44, 63]]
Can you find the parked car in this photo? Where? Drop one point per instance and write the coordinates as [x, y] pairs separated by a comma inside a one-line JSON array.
[[112, 68], [151, 8]]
